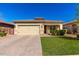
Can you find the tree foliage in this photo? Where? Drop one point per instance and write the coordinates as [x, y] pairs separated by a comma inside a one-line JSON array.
[[77, 13]]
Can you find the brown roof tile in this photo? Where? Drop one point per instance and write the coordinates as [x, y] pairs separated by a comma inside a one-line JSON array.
[[37, 21], [6, 23]]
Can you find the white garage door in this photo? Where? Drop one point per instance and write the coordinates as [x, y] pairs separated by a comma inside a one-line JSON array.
[[28, 30]]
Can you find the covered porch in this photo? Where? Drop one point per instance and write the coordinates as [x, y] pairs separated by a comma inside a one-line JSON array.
[[47, 28]]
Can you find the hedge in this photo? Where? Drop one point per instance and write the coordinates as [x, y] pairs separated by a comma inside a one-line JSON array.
[[58, 32]]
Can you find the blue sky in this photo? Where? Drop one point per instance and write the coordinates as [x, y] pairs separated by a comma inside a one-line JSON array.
[[26, 11]]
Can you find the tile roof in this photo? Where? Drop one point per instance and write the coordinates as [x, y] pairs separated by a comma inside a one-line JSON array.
[[8, 23], [37, 21], [72, 22]]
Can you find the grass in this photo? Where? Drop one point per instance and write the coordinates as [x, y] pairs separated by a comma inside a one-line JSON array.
[[59, 46]]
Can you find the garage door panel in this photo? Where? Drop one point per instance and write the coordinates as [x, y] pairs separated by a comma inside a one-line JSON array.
[[28, 30]]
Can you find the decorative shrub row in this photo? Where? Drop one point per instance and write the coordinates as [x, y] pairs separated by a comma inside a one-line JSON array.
[[58, 32], [2, 34]]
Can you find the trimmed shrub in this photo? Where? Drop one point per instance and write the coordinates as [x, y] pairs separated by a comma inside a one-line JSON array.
[[5, 34], [62, 32], [53, 32], [77, 35], [2, 34]]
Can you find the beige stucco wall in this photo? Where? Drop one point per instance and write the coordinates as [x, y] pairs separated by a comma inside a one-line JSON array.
[[60, 24], [52, 23]]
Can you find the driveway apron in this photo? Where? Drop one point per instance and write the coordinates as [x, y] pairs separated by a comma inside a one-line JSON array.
[[29, 45]]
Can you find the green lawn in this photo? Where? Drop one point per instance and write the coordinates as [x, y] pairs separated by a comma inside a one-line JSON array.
[[59, 46]]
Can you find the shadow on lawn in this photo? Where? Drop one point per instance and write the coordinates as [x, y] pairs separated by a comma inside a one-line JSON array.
[[68, 38]]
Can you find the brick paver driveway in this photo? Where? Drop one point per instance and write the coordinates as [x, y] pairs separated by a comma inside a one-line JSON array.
[[20, 46]]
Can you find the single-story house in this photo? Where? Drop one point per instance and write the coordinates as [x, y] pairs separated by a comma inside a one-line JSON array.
[[72, 27], [6, 27], [37, 26]]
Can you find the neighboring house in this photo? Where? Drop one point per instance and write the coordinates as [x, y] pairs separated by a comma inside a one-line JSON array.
[[71, 27], [36, 26], [6, 27]]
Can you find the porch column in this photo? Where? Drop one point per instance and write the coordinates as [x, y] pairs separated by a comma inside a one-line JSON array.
[[61, 26], [41, 29], [15, 29], [48, 29]]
